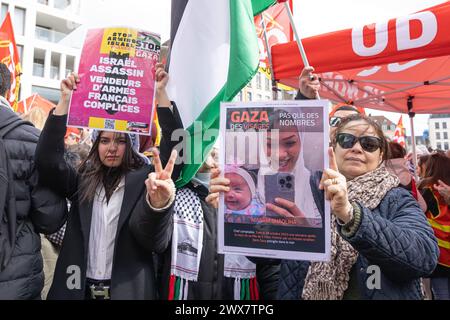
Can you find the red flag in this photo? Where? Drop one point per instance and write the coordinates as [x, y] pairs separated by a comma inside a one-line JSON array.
[[35, 101], [9, 55], [399, 135], [278, 29]]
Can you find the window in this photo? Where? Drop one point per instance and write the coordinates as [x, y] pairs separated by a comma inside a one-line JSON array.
[[70, 64], [38, 63], [438, 136], [4, 11], [436, 125], [47, 93], [393, 127], [439, 146], [20, 50], [267, 84], [249, 96], [385, 127], [268, 98], [259, 97], [444, 125], [445, 135], [446, 146], [19, 21], [249, 85], [62, 4], [258, 81], [54, 68], [239, 96]]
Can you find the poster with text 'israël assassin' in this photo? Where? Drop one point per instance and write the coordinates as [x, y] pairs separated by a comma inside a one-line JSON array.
[[274, 154], [117, 81]]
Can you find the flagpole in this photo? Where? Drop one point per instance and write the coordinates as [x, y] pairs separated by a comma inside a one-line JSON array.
[[297, 38], [269, 56], [413, 135], [31, 104]]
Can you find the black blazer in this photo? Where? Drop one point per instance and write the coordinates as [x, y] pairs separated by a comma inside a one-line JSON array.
[[133, 274]]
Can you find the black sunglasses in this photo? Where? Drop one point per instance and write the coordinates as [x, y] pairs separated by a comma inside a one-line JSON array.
[[368, 143], [335, 121]]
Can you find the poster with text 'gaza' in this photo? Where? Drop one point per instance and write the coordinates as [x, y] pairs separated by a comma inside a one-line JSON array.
[[273, 154], [117, 81]]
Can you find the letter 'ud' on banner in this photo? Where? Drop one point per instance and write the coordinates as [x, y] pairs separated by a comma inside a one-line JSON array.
[[274, 154], [117, 87]]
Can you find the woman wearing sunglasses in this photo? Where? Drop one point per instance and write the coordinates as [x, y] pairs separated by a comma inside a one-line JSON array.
[[381, 242]]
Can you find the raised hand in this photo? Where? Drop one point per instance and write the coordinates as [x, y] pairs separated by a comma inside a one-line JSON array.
[[67, 86], [216, 186], [335, 186], [160, 187], [162, 78], [309, 83]]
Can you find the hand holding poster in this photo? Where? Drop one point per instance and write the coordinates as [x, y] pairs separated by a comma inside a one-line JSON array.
[[117, 88], [274, 154]]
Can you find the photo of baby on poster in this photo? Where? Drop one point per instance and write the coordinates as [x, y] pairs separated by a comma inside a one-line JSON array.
[[274, 154]]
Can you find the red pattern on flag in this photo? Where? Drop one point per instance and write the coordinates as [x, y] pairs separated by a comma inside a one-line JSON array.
[[9, 55], [399, 134], [278, 29]]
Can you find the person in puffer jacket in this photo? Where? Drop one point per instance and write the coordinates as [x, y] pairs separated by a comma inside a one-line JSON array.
[[26, 210]]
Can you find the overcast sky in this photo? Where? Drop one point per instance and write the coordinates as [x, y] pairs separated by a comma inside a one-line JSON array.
[[312, 17]]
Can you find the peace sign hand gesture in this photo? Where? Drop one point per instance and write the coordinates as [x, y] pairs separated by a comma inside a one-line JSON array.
[[335, 186], [160, 187]]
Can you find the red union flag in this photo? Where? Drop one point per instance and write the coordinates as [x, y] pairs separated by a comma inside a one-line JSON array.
[[399, 135], [10, 56], [278, 30]]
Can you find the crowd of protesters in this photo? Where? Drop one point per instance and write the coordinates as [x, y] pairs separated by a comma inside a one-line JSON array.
[[90, 215]]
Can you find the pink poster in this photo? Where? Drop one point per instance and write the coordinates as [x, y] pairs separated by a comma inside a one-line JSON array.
[[117, 81]]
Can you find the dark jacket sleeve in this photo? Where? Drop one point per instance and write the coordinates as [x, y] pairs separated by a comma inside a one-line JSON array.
[[54, 172], [268, 280], [400, 240], [152, 230], [300, 96], [169, 121], [48, 210]]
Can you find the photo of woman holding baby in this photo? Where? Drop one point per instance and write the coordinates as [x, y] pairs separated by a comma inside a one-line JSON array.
[[285, 184]]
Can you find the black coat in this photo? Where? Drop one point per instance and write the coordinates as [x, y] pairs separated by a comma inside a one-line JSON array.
[[133, 274], [36, 209]]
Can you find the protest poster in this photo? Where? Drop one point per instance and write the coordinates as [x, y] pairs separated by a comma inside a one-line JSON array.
[[274, 154], [117, 81]]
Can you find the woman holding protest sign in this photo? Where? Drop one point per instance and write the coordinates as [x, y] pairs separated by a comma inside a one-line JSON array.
[[120, 213], [381, 241]]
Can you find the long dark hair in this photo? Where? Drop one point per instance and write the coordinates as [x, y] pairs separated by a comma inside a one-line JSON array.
[[93, 172], [437, 168]]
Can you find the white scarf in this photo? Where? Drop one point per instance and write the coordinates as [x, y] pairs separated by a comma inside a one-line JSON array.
[[303, 195], [187, 246]]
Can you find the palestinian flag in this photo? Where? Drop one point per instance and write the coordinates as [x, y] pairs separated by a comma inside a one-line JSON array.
[[214, 54]]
